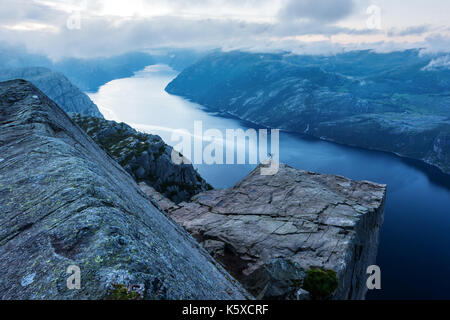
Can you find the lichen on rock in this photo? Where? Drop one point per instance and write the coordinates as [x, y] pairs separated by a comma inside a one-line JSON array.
[[321, 283]]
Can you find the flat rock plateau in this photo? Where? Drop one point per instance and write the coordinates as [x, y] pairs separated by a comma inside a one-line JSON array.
[[269, 232]]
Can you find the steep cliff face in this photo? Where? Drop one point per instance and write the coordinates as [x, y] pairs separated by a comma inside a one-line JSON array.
[[440, 153], [57, 87], [279, 235], [387, 102], [424, 137], [146, 157], [65, 202]]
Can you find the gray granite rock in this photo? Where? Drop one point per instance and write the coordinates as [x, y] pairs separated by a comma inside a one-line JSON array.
[[310, 220], [302, 295], [277, 279], [57, 87], [65, 202], [162, 202]]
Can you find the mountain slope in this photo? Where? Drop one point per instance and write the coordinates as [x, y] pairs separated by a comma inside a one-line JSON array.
[[89, 74], [57, 87], [390, 102], [65, 202], [145, 157]]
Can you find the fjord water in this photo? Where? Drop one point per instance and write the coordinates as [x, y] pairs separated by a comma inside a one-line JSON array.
[[414, 252]]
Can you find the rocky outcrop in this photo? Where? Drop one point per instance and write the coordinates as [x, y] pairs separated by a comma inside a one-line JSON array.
[[386, 102], [65, 203], [293, 235], [57, 87], [145, 157]]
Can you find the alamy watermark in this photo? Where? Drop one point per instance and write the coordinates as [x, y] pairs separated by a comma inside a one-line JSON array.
[[74, 280], [374, 280], [73, 22], [374, 20], [213, 146]]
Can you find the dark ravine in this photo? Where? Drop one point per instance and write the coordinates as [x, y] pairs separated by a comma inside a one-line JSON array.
[[145, 157], [57, 87], [66, 202], [272, 232], [389, 102]]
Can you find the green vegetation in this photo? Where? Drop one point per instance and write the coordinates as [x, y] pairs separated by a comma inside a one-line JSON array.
[[120, 292], [320, 283], [126, 146]]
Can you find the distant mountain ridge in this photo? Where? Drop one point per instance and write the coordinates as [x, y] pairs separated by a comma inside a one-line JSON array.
[[389, 102], [89, 74], [56, 86]]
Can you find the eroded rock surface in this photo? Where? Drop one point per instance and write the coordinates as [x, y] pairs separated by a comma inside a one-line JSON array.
[[305, 219], [65, 202]]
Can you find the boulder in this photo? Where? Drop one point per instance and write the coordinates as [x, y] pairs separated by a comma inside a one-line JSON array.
[[277, 279]]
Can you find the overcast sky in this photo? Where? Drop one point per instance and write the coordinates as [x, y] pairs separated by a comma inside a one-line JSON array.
[[104, 27]]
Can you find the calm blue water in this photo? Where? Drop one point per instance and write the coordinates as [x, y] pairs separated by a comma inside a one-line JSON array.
[[414, 253]]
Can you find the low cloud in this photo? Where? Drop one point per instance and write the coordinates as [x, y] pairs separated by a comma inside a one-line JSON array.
[[319, 10], [438, 63], [416, 30], [295, 25], [436, 43]]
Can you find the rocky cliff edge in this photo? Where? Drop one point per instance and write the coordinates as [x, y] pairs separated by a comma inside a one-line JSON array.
[[64, 202], [294, 235]]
